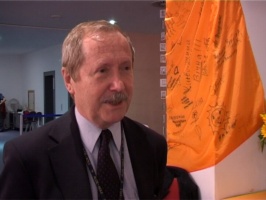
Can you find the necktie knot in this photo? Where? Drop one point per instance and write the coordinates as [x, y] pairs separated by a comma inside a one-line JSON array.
[[105, 137]]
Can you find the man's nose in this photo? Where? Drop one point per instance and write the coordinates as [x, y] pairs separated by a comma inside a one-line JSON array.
[[117, 83]]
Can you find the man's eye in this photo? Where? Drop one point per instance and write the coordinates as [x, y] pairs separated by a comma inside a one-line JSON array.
[[103, 70], [127, 68]]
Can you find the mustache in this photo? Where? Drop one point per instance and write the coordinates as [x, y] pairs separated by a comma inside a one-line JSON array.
[[116, 98]]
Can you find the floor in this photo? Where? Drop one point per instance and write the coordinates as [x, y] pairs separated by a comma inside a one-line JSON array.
[[4, 137]]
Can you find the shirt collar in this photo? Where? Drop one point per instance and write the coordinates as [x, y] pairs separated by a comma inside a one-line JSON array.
[[90, 133]]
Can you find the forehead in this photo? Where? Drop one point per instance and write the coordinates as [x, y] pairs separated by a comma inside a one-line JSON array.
[[104, 36], [105, 41]]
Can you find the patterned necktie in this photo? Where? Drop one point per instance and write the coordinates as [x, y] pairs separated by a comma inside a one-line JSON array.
[[106, 172]]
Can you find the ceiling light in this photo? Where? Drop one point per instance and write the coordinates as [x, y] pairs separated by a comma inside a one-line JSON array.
[[112, 21]]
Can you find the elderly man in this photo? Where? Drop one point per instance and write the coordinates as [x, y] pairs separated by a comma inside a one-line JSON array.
[[66, 158]]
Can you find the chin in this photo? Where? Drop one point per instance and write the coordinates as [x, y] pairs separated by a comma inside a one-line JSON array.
[[115, 117], [114, 114]]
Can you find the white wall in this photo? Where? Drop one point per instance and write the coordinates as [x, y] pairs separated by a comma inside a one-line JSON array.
[[35, 64], [243, 171], [255, 20], [11, 79], [18, 74]]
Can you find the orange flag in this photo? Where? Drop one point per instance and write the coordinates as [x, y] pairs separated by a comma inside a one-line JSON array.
[[214, 92]]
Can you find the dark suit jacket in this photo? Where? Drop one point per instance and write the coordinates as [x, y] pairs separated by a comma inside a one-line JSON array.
[[48, 163]]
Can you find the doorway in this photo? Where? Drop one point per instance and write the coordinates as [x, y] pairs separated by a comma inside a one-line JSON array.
[[49, 95]]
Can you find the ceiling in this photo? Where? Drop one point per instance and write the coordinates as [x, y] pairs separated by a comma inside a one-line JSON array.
[[27, 26]]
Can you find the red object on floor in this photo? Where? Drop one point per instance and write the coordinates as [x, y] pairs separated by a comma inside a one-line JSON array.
[[173, 191]]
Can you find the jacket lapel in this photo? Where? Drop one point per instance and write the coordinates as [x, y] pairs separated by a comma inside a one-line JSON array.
[[68, 161], [141, 158]]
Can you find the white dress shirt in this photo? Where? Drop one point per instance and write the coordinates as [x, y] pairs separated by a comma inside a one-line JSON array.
[[89, 136]]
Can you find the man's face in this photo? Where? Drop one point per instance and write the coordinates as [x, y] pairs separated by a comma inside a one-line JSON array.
[[106, 71]]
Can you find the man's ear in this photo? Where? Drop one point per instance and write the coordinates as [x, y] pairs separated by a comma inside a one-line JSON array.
[[67, 80]]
